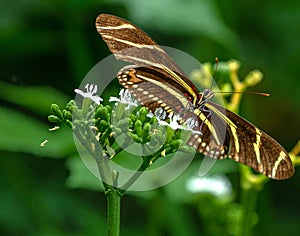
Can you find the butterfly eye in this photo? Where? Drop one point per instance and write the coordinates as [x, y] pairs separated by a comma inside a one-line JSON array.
[[207, 94]]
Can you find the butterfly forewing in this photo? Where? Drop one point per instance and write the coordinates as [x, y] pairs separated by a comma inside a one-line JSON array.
[[157, 82], [129, 43]]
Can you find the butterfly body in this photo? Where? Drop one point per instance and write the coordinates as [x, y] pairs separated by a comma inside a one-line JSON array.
[[157, 82]]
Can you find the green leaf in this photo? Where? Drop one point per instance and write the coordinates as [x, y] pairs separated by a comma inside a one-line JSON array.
[[22, 133], [35, 98]]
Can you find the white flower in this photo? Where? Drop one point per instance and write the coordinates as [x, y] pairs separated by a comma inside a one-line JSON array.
[[91, 89], [218, 185], [173, 124], [191, 123], [125, 98], [159, 113]]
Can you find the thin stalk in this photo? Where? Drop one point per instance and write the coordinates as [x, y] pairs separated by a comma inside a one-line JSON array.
[[251, 185], [248, 201], [137, 174], [92, 146], [113, 212]]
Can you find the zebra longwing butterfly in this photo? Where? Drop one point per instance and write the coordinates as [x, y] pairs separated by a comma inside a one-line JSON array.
[[156, 81]]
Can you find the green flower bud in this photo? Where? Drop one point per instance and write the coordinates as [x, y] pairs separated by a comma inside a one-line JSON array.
[[54, 119], [130, 124], [67, 115], [143, 114], [109, 109], [103, 125], [56, 110], [146, 129], [70, 124], [170, 133], [102, 113], [133, 117], [71, 105], [176, 143], [138, 128], [153, 120], [135, 137]]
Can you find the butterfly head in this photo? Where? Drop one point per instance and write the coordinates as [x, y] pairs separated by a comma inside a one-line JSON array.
[[204, 97], [207, 94]]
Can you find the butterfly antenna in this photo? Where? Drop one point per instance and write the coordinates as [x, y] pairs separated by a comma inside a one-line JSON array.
[[215, 72], [247, 92], [244, 92]]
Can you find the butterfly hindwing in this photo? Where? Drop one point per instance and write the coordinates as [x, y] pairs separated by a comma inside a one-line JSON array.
[[249, 145], [153, 88]]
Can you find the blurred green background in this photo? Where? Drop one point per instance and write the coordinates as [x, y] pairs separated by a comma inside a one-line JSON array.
[[47, 47]]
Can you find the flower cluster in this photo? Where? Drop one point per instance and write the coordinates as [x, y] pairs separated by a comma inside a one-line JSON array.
[[155, 131]]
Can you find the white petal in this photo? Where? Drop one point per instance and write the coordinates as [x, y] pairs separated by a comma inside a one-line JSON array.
[[114, 99], [78, 91]]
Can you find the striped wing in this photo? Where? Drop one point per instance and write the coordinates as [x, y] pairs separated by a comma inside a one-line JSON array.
[[129, 43], [242, 142], [154, 88]]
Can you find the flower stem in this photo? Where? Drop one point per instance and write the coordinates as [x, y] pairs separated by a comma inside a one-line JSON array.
[[251, 185], [137, 174], [249, 200], [113, 212]]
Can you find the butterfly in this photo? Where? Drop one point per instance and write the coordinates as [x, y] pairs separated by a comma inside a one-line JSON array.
[[157, 82]]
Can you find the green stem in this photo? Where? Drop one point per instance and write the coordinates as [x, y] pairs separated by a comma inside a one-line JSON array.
[[137, 174], [251, 185], [248, 201], [113, 212], [104, 169], [88, 140]]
